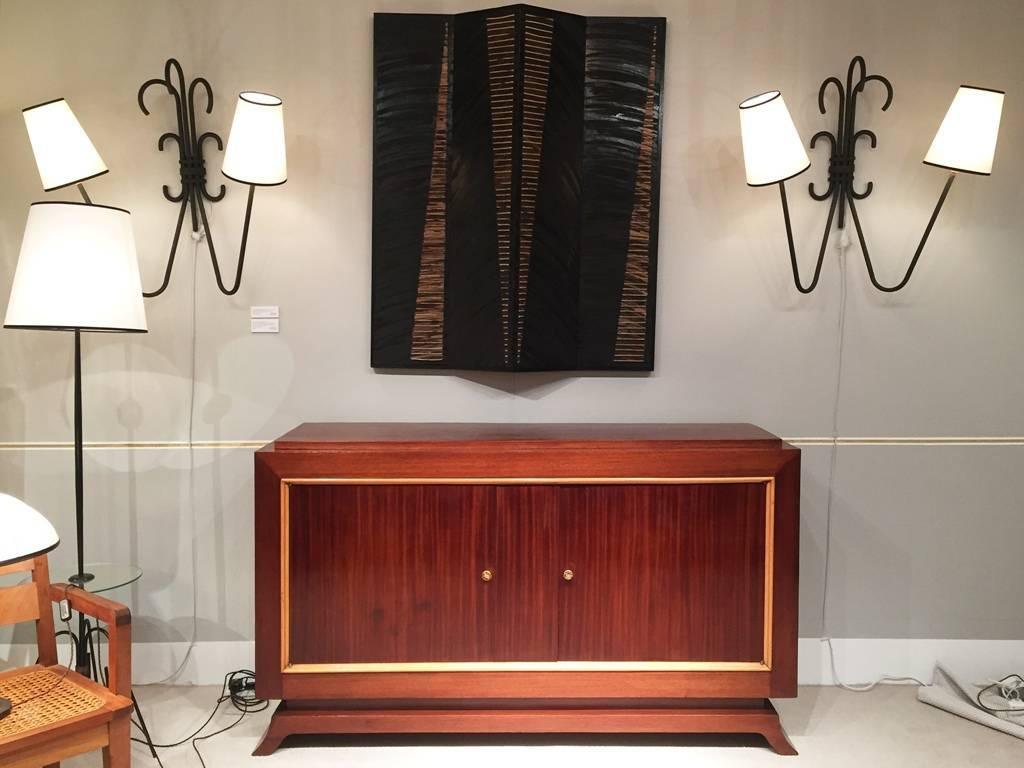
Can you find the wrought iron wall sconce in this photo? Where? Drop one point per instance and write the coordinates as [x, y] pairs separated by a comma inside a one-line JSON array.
[[255, 156], [773, 153]]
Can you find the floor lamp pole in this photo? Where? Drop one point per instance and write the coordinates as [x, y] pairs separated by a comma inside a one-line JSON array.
[[80, 577], [83, 658]]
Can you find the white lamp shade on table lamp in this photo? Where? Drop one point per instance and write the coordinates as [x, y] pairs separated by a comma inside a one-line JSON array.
[[966, 140], [64, 154], [772, 149], [255, 152], [26, 532], [77, 270]]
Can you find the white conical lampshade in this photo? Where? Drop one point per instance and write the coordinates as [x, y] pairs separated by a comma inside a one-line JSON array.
[[26, 533], [966, 140], [64, 154], [772, 149], [77, 270], [256, 153]]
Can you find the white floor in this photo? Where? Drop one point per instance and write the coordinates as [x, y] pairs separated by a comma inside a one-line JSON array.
[[830, 727]]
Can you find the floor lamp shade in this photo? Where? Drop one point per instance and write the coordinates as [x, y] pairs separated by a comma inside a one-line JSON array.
[[966, 140], [64, 154], [255, 152], [77, 270], [26, 532], [772, 149]]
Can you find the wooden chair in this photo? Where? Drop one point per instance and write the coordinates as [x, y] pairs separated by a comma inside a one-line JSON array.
[[57, 712]]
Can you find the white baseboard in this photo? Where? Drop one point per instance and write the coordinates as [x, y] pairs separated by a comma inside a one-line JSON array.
[[858, 660], [864, 660]]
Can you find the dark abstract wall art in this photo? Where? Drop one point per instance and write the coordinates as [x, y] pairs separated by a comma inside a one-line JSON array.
[[516, 156]]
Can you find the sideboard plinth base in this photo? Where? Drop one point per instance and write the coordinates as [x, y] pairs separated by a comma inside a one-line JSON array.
[[763, 720]]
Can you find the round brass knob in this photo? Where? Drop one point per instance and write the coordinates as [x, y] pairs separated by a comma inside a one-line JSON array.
[[486, 575], [567, 574]]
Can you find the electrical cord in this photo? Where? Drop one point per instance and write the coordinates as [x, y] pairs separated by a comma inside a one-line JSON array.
[[238, 688], [842, 245], [197, 238], [1016, 685]]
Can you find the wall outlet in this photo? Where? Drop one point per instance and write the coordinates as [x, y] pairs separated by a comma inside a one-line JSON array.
[[264, 325], [266, 311]]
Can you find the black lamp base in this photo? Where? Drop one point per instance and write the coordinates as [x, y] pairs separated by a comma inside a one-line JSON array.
[[5, 707], [81, 578]]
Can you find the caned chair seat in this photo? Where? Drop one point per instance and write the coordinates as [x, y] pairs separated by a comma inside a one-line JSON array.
[[57, 712], [48, 699]]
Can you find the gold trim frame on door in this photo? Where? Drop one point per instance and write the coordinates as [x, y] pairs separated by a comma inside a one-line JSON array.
[[764, 665]]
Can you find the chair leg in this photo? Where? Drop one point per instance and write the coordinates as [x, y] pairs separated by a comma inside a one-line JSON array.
[[118, 753]]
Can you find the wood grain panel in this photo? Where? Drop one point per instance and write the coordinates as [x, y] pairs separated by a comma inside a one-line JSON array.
[[523, 609], [387, 436], [19, 603], [663, 572], [393, 574], [386, 573]]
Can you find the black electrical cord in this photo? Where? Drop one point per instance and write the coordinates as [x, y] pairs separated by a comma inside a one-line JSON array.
[[1016, 679], [238, 688]]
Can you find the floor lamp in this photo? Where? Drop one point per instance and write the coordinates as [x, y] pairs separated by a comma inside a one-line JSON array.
[[77, 271]]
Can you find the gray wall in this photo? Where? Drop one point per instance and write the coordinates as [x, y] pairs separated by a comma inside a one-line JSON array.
[[926, 536]]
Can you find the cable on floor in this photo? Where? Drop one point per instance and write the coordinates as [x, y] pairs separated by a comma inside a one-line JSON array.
[[1010, 689], [240, 689]]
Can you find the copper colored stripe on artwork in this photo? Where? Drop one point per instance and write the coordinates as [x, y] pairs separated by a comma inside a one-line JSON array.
[[631, 337], [501, 70], [428, 321], [536, 73]]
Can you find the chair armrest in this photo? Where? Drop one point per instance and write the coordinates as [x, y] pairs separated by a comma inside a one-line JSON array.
[[107, 611], [118, 619]]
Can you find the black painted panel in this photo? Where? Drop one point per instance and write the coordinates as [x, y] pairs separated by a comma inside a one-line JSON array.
[[597, 91]]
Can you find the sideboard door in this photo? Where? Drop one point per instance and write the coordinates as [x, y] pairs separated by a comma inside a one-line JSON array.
[[395, 573], [664, 572]]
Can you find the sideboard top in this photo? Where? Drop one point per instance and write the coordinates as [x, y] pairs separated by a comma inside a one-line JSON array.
[[325, 436]]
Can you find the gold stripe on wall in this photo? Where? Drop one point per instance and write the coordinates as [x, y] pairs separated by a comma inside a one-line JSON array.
[[949, 441]]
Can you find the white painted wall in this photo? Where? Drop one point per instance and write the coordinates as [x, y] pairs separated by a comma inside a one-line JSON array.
[[926, 537]]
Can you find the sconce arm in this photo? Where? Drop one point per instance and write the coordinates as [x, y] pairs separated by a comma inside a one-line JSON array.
[[174, 251], [792, 248], [241, 255], [920, 246]]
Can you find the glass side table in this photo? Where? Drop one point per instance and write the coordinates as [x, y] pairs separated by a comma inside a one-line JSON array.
[[104, 578], [108, 576]]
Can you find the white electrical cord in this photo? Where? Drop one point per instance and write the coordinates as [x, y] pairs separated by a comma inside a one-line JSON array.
[[841, 246], [197, 238]]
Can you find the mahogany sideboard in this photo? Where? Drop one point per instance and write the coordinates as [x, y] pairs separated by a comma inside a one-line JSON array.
[[498, 578]]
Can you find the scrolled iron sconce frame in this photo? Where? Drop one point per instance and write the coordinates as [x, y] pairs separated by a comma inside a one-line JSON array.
[[774, 131], [841, 164], [192, 165]]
